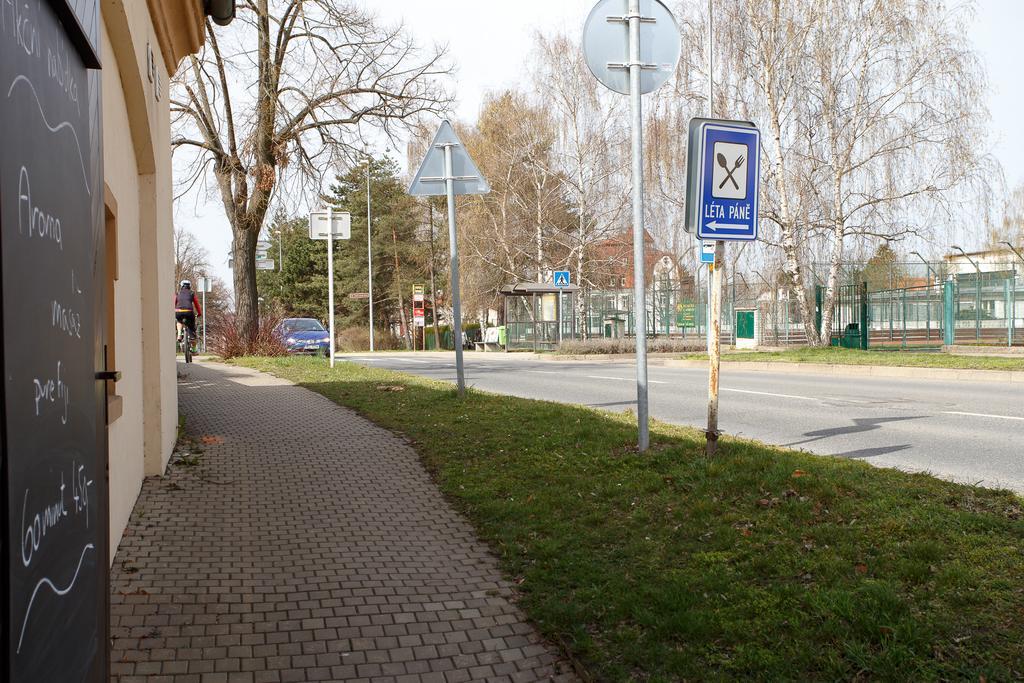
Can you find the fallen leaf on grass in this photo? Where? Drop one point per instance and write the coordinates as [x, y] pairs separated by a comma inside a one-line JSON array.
[[390, 387], [799, 473], [861, 568]]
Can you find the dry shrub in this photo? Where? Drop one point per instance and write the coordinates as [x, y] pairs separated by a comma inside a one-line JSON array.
[[353, 339], [227, 342], [609, 346]]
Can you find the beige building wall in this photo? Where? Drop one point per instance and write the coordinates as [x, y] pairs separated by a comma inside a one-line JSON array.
[[140, 51]]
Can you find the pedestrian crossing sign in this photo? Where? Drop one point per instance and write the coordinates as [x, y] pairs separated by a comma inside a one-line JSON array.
[[561, 278]]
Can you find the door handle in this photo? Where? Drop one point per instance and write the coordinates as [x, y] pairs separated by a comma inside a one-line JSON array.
[[109, 376]]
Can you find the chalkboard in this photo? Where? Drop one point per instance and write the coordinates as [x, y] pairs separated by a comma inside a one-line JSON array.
[[54, 442]]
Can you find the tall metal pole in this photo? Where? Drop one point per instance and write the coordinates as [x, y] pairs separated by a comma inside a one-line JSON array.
[[453, 246], [715, 326], [330, 278], [206, 285], [711, 62], [433, 289], [369, 248], [639, 303], [559, 316]]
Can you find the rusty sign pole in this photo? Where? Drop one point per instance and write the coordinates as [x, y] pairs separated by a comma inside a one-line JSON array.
[[715, 350]]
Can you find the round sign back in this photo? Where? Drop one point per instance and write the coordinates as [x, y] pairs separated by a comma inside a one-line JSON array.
[[606, 44]]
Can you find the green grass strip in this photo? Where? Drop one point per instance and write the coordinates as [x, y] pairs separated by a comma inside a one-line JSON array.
[[762, 564], [839, 356]]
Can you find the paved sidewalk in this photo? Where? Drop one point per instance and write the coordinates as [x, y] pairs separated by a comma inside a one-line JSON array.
[[306, 544]]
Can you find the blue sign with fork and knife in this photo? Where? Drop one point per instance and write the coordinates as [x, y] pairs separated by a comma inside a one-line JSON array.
[[724, 167]]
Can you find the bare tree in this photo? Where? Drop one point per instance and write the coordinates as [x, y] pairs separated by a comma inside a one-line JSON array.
[[894, 122], [280, 97], [513, 232], [1010, 227], [191, 262], [590, 135], [872, 114]]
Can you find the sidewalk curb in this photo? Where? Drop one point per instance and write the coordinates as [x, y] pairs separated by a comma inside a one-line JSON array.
[[949, 374], [669, 360]]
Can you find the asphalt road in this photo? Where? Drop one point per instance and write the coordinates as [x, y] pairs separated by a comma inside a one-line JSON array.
[[965, 431]]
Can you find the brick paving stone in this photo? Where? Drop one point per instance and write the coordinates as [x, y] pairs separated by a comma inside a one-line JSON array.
[[306, 543]]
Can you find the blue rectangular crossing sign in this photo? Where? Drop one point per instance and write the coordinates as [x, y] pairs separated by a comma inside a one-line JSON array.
[[561, 278], [707, 252], [723, 162]]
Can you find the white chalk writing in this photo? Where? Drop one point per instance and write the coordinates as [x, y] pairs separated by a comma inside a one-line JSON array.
[[58, 67], [53, 587], [62, 126], [66, 319], [35, 530], [38, 222], [15, 17], [50, 391]]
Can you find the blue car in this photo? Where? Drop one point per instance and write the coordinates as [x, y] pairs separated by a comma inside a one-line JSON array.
[[304, 335]]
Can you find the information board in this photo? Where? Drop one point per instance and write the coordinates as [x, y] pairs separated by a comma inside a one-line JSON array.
[[55, 585]]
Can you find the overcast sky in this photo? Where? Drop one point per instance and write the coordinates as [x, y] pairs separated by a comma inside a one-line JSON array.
[[490, 41]]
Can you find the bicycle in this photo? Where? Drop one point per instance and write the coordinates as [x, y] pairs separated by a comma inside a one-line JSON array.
[[185, 341]]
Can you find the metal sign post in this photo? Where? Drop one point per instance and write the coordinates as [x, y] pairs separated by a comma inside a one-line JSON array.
[[419, 314], [448, 162], [561, 280], [614, 57], [369, 250], [330, 281], [328, 224], [453, 247], [204, 320], [204, 287]]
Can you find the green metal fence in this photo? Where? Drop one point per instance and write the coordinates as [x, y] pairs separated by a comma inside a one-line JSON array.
[[930, 305], [962, 309], [680, 310]]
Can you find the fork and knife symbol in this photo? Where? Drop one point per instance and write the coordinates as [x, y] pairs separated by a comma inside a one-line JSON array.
[[728, 173]]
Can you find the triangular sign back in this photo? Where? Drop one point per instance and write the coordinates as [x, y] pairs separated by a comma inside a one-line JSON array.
[[430, 178]]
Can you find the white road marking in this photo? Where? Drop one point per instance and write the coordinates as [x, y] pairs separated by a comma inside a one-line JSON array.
[[622, 379], [767, 393], [410, 360], [998, 417], [544, 372]]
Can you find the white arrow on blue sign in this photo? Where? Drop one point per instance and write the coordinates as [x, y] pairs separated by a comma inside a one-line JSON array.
[[561, 278], [723, 162]]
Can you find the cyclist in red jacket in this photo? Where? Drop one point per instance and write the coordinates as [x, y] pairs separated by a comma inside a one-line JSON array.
[[186, 308]]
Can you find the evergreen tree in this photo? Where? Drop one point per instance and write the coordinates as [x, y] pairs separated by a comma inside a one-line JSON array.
[[401, 254]]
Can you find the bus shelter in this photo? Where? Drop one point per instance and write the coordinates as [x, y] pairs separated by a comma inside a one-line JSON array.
[[534, 314]]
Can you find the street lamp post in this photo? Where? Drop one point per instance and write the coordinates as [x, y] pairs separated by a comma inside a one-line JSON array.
[[977, 293], [1014, 250], [927, 265]]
